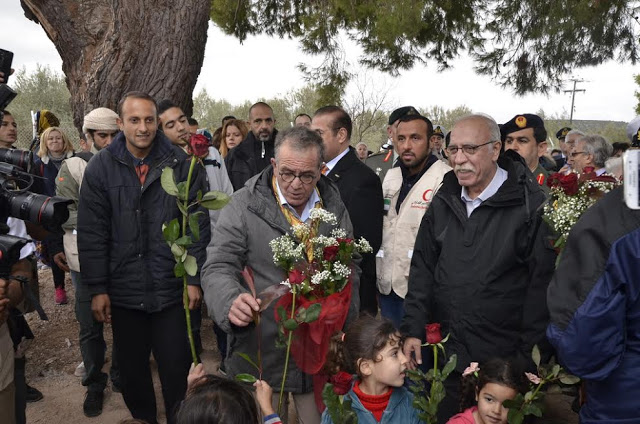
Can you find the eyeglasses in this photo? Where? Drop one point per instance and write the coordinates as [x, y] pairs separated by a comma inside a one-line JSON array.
[[468, 149], [288, 177], [574, 154]]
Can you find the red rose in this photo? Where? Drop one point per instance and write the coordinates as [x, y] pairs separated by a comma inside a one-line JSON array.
[[433, 333], [568, 183], [296, 276], [588, 170], [330, 252], [199, 145], [341, 382]]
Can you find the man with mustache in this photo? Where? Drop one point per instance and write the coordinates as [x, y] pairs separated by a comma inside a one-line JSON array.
[[125, 262], [408, 190], [482, 260], [256, 150]]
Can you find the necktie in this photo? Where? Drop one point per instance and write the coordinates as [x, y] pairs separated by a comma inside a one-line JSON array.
[[325, 169]]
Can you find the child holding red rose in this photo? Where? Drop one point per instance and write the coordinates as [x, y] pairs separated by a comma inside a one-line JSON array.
[[372, 349]]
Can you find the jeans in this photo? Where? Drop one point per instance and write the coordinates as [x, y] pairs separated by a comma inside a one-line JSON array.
[[392, 307], [92, 344], [138, 334]]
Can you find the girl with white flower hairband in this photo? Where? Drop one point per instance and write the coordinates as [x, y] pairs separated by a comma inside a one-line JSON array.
[[484, 388]]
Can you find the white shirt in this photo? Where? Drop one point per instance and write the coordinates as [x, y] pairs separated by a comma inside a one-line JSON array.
[[311, 203], [498, 179], [335, 160], [19, 229]]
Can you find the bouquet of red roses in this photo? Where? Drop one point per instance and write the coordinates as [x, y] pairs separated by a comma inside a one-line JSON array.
[[318, 270], [570, 196]]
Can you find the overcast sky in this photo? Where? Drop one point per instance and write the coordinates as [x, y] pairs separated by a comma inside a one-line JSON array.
[[264, 67]]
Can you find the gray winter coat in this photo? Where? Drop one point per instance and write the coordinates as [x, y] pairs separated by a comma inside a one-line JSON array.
[[241, 237]]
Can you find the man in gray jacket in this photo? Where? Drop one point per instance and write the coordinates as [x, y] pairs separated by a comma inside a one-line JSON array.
[[241, 238]]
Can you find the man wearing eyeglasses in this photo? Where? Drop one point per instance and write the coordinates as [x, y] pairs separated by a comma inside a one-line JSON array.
[[271, 202], [482, 261], [360, 190], [590, 150]]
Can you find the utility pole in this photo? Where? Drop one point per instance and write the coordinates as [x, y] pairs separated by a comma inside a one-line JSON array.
[[573, 96]]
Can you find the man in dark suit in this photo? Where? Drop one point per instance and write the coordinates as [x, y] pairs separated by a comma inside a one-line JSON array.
[[360, 190]]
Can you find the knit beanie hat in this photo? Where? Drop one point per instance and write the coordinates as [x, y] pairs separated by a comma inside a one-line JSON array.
[[100, 119]]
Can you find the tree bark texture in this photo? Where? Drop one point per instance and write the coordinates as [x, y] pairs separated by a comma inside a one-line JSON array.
[[111, 47]]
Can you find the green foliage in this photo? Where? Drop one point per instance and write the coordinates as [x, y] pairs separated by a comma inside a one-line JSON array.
[[246, 378], [528, 45], [532, 402], [446, 117], [338, 406], [40, 89], [428, 389]]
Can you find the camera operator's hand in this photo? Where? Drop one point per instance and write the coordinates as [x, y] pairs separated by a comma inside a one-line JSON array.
[[61, 260], [2, 75], [101, 307]]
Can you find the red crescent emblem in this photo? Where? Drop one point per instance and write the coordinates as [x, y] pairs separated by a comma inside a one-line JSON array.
[[426, 196]]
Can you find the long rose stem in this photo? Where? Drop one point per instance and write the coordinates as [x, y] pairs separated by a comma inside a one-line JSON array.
[[185, 292], [286, 359]]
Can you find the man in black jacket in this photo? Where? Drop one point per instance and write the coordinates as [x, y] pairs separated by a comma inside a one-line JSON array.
[[125, 262], [360, 190], [482, 262], [256, 150]]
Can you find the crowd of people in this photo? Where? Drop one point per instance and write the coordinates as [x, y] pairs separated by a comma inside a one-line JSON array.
[[455, 223]]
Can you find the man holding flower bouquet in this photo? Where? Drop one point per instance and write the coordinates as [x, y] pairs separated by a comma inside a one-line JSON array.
[[266, 208]]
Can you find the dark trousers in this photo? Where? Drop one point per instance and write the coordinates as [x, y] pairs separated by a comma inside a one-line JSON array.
[[91, 338], [164, 333], [392, 307], [21, 390]]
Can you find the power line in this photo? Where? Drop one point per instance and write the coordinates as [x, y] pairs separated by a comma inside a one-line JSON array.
[[573, 95]]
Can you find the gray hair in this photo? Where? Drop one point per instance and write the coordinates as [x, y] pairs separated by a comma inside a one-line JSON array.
[[299, 139], [574, 132], [492, 125], [597, 146]]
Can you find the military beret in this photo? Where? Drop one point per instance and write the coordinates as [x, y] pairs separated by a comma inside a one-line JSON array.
[[520, 122], [439, 130], [400, 112], [562, 133]]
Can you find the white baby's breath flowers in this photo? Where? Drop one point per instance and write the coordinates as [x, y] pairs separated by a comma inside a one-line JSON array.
[[301, 231], [341, 270], [339, 233], [363, 246], [321, 277], [285, 249], [323, 215]]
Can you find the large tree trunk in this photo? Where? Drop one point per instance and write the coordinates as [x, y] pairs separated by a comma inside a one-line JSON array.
[[110, 47]]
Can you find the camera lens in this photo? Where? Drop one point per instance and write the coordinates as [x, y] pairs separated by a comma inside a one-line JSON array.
[[50, 212], [17, 157]]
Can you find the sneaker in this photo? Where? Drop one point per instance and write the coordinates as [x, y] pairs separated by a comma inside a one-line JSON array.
[[80, 371], [92, 406], [61, 296], [33, 394]]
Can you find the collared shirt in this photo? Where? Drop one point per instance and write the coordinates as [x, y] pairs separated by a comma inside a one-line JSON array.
[[335, 160], [498, 179], [600, 171], [311, 203]]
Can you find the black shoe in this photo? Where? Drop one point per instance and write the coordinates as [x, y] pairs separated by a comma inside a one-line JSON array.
[[92, 405], [33, 394]]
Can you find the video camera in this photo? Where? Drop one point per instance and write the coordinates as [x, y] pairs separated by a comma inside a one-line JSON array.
[[16, 179]]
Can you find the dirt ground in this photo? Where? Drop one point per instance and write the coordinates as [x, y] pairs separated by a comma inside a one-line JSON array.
[[55, 353]]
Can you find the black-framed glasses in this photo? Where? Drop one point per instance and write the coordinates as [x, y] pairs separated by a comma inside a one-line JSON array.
[[574, 154], [288, 177], [467, 149]]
